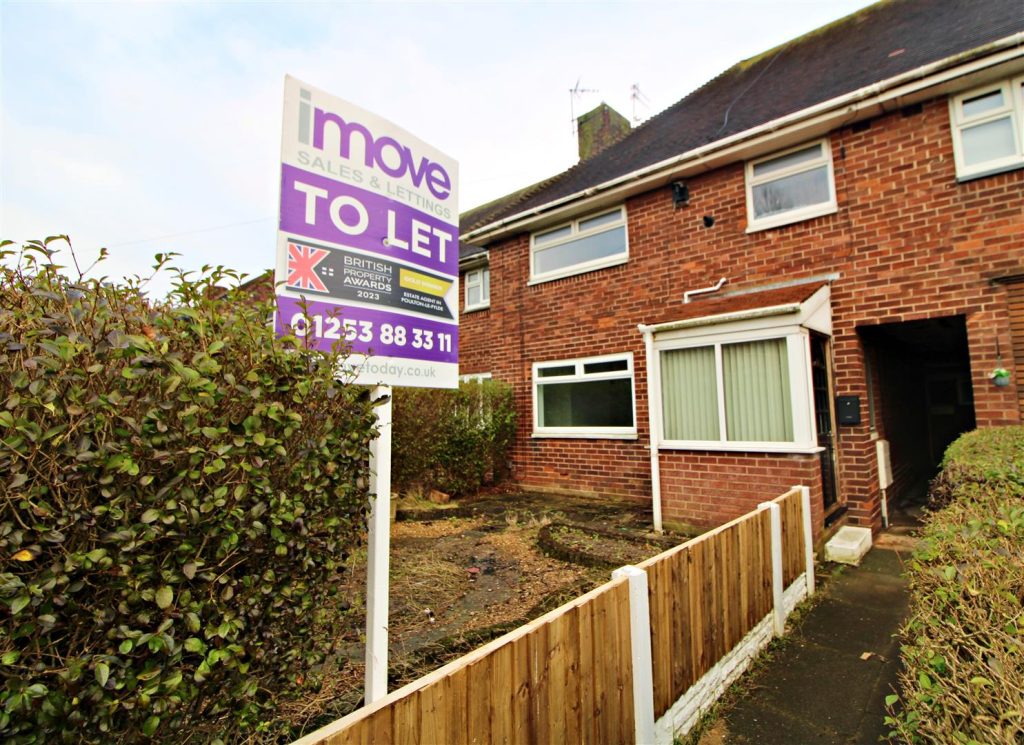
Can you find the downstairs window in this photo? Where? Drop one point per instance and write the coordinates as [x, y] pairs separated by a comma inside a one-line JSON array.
[[591, 397]]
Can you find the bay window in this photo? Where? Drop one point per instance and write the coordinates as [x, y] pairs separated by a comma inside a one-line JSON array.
[[729, 392], [739, 381]]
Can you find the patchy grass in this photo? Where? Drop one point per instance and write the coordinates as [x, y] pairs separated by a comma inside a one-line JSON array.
[[591, 546], [459, 581]]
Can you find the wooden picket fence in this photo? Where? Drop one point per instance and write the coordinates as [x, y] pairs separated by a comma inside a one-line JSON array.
[[617, 664]]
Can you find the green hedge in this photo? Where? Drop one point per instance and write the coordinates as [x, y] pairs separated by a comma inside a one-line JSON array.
[[452, 440], [178, 491], [963, 680]]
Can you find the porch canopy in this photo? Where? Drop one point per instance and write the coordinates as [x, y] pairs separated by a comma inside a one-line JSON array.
[[734, 373]]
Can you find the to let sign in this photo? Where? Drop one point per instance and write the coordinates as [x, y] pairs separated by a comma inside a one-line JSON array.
[[368, 242]]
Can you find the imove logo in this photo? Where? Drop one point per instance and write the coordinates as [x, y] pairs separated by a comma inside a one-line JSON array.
[[385, 153]]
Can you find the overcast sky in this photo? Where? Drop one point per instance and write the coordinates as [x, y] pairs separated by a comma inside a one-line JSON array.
[[149, 127]]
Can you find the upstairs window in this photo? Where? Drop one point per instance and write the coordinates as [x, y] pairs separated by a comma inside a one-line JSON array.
[[988, 129], [478, 289], [791, 186], [589, 243], [590, 397]]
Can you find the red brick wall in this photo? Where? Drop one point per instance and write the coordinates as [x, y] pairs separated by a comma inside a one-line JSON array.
[[711, 488], [908, 241]]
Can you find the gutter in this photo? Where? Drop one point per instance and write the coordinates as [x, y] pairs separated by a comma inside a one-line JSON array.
[[742, 315], [473, 261], [913, 81]]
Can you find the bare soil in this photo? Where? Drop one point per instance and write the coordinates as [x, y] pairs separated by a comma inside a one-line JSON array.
[[473, 572]]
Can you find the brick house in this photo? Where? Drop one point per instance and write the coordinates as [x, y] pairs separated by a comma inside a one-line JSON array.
[[803, 272]]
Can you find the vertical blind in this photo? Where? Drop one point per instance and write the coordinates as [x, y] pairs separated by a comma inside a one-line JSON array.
[[689, 394], [756, 396], [758, 402]]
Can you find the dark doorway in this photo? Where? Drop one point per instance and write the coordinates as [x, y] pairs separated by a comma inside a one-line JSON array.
[[921, 396]]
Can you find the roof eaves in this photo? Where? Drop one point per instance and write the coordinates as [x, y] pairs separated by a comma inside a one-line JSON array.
[[516, 197], [915, 79]]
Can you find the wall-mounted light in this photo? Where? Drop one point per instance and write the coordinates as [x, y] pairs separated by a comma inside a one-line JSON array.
[[680, 194], [708, 221]]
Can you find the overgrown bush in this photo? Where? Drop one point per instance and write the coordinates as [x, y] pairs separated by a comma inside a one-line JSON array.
[[452, 440], [963, 680], [178, 490]]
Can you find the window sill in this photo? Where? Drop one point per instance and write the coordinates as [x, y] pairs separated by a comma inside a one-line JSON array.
[[779, 221], [575, 271], [583, 435], [743, 447], [475, 308], [963, 179]]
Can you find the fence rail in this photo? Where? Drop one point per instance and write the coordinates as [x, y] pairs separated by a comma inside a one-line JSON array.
[[658, 642]]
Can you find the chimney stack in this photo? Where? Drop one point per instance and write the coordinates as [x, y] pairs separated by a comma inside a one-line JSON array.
[[599, 128]]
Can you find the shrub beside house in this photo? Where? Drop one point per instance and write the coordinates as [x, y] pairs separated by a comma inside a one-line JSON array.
[[963, 678], [179, 491]]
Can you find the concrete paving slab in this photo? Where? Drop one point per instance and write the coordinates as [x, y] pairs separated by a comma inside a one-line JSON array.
[[888, 562], [874, 591], [872, 726], [821, 686], [760, 725], [849, 626]]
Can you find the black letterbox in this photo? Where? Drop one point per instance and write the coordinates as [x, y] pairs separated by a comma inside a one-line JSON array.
[[848, 409]]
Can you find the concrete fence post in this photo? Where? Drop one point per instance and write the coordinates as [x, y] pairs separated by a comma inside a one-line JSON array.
[[779, 614], [805, 503], [640, 643]]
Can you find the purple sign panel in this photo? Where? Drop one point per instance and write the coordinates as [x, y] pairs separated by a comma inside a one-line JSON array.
[[368, 242], [370, 332], [321, 208]]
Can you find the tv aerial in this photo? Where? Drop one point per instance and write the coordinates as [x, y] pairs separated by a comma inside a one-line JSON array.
[[637, 97], [574, 93]]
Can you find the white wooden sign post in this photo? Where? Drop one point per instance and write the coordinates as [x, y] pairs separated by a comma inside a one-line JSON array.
[[378, 553], [368, 256]]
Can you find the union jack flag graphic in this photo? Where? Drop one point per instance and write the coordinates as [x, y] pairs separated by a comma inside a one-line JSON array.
[[302, 261]]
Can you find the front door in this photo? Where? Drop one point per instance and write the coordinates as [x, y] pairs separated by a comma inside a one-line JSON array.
[[824, 418]]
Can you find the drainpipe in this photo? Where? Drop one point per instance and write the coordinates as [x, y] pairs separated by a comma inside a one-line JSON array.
[[653, 421], [703, 290]]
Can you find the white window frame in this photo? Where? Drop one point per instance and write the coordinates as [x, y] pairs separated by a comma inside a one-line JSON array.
[[1013, 96], [802, 213], [474, 377], [478, 281], [576, 233], [798, 349], [603, 433]]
